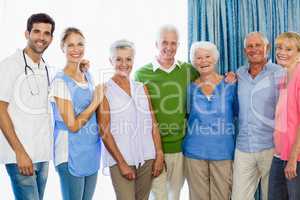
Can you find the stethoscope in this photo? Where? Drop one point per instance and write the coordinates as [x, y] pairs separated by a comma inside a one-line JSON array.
[[27, 67]]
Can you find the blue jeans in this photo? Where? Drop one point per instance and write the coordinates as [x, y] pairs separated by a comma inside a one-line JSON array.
[[76, 188], [28, 187], [281, 188]]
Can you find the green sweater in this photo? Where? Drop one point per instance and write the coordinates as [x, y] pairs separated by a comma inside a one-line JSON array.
[[168, 97]]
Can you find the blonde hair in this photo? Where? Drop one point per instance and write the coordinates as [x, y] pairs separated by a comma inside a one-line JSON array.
[[293, 36]]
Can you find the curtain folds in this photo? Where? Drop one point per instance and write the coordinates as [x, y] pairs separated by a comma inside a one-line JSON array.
[[226, 22]]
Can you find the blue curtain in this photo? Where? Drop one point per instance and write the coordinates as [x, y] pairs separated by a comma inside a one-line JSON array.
[[226, 22]]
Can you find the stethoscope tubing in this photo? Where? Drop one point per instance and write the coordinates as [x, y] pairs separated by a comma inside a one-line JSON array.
[[28, 67]]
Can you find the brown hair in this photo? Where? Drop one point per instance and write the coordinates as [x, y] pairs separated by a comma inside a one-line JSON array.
[[67, 32]]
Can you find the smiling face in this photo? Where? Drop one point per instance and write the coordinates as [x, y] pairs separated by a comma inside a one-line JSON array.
[[39, 38], [204, 61], [73, 47], [167, 45], [287, 52], [256, 50], [122, 60]]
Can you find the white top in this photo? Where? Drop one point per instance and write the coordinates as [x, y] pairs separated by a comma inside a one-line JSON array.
[[130, 124], [60, 89], [28, 108], [156, 65]]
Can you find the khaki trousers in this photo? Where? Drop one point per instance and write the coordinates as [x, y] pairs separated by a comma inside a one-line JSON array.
[[248, 170], [168, 184], [209, 180], [138, 189]]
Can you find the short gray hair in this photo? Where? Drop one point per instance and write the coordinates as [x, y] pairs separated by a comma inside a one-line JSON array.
[[206, 45], [167, 28], [261, 35], [121, 44]]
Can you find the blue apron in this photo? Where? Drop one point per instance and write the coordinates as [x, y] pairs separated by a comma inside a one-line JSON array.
[[84, 146]]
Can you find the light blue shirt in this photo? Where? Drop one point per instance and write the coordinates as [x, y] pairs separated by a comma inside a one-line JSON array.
[[257, 103]]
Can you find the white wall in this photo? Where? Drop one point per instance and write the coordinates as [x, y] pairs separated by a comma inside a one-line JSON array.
[[102, 22]]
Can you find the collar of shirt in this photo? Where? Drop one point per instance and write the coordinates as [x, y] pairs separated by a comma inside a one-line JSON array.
[[265, 68], [156, 66], [30, 62]]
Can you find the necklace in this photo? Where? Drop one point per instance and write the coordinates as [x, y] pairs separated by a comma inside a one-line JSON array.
[[208, 86]]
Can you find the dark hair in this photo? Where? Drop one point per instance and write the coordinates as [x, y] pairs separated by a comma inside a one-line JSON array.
[[40, 18], [68, 31]]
